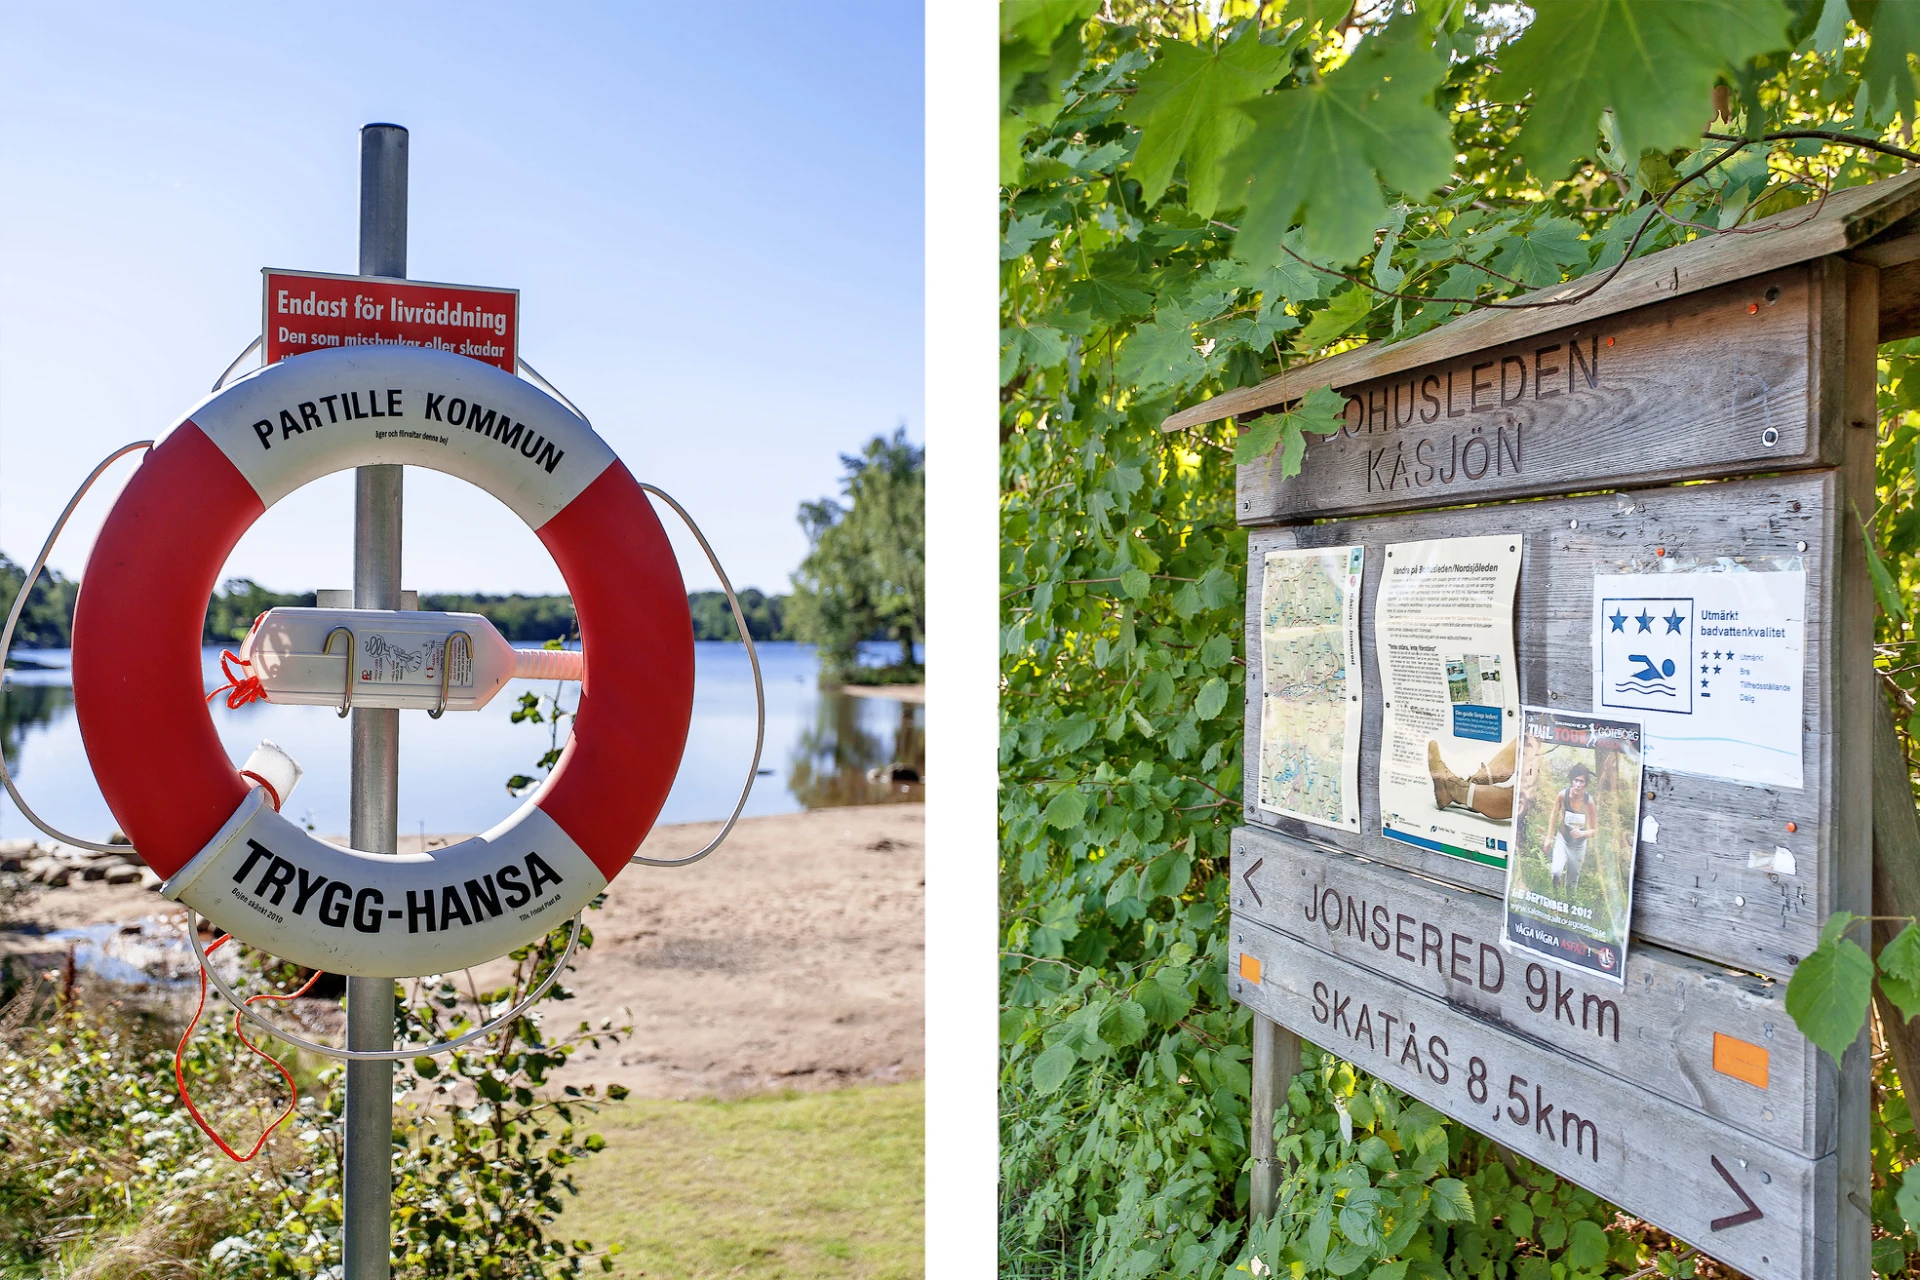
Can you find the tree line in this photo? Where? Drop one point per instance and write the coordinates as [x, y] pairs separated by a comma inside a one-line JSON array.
[[47, 620]]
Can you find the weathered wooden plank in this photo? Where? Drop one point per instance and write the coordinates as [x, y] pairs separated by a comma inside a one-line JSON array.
[[1848, 220], [1698, 1035], [1666, 1163], [1896, 887], [1695, 892], [1900, 300], [1710, 385], [1276, 1057], [1850, 350]]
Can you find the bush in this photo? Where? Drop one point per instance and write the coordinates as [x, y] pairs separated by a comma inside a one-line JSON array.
[[102, 1169]]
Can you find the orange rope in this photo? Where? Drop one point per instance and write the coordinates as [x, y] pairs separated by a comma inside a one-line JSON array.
[[245, 689], [273, 793], [179, 1066]]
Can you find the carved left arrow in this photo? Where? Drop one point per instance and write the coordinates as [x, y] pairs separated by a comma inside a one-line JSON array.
[[1750, 1214], [1247, 875]]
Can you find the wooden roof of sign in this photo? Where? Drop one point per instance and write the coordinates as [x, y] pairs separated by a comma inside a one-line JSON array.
[[1878, 222]]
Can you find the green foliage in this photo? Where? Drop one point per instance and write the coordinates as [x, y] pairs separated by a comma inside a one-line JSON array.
[[1828, 995], [94, 1144], [484, 1146], [45, 622], [865, 574], [713, 617], [1319, 152], [1651, 63], [101, 1165], [1191, 208], [1184, 106], [236, 604]]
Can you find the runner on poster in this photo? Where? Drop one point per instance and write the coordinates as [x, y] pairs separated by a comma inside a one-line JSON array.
[[1310, 685], [1443, 629], [1576, 815], [1713, 661]]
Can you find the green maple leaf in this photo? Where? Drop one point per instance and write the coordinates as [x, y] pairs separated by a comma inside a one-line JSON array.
[[1322, 412], [1022, 233], [1182, 107], [1653, 63], [1893, 33], [1828, 995], [1537, 254], [1161, 354], [1106, 299], [1284, 279], [1336, 319], [1317, 154]]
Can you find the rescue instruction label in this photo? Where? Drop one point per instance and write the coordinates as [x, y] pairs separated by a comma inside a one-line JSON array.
[[305, 311]]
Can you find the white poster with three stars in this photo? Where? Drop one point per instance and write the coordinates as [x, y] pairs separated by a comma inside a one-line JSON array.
[[1713, 661]]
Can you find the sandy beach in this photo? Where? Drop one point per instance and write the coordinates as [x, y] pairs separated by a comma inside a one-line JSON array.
[[792, 958]]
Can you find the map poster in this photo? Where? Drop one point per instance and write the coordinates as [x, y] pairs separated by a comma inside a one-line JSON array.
[[1575, 822], [1310, 685], [1713, 661], [1450, 696]]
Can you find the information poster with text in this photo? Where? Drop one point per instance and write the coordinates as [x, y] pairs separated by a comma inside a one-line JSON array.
[[1310, 685], [1576, 823], [1713, 661], [1450, 694]]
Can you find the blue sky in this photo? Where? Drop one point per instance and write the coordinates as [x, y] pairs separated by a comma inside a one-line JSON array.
[[713, 213]]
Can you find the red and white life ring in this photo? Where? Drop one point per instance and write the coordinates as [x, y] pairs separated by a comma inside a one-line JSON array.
[[140, 701]]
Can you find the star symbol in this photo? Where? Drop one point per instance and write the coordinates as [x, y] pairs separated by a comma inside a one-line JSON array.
[[1703, 684], [1645, 619], [1619, 621], [1673, 621], [1703, 653], [1703, 668], [1716, 671]]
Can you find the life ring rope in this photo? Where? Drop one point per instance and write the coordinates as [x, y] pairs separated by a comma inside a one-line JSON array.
[[13, 619], [238, 688]]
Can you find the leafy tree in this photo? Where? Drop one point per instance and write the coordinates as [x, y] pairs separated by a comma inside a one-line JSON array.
[[46, 621], [865, 574], [238, 602], [1191, 205], [713, 617]]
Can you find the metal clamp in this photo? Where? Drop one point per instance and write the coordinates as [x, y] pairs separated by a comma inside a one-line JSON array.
[[446, 671], [346, 693], [377, 1055]]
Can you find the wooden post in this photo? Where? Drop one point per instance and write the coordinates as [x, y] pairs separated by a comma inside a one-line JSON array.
[[1896, 886], [1276, 1056]]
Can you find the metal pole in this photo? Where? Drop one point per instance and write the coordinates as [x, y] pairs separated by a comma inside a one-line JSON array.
[[368, 1156]]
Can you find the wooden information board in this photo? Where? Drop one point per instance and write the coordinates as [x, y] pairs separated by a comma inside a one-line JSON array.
[[1718, 410]]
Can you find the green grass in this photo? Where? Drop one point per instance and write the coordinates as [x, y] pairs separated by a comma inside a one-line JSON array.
[[794, 1187]]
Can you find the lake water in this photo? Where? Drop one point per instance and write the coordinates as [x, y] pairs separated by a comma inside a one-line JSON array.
[[453, 771]]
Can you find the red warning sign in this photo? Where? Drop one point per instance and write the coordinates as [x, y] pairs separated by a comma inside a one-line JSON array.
[[305, 311]]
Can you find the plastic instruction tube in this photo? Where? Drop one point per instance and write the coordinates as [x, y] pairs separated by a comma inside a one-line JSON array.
[[391, 658]]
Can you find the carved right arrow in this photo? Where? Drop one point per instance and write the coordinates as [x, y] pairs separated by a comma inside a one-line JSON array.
[[1750, 1214], [1247, 875]]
